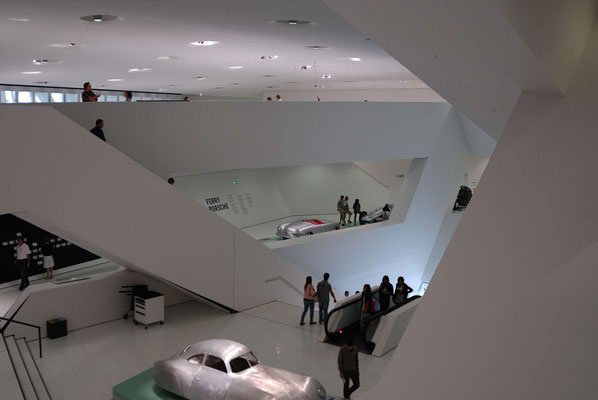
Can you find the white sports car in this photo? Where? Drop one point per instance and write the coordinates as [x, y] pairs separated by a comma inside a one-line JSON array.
[[221, 369], [305, 227]]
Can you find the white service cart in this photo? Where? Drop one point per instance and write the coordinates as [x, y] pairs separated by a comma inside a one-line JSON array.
[[149, 308]]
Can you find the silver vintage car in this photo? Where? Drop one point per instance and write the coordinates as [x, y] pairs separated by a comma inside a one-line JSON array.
[[305, 227], [221, 369], [375, 216]]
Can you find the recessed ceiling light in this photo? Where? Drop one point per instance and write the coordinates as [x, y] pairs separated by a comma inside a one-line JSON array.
[[115, 80], [45, 61], [268, 76], [41, 82], [170, 58], [293, 22], [142, 69], [97, 18], [326, 76], [205, 43], [235, 83], [354, 58], [236, 67], [218, 88], [68, 45], [270, 87], [31, 72], [306, 66], [200, 78], [316, 47], [20, 19], [270, 57], [403, 80]]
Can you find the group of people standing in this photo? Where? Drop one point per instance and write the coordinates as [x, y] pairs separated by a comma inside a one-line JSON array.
[[342, 206], [23, 260]]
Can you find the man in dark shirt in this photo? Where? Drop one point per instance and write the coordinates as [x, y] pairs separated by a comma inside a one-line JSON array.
[[348, 367], [98, 129], [88, 94], [324, 290]]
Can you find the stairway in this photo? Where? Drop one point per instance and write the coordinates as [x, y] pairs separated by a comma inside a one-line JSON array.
[[19, 375]]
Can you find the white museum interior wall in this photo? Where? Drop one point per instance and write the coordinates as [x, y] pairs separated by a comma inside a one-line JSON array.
[[253, 196], [391, 173], [84, 303], [99, 199], [474, 172], [409, 95], [196, 137], [510, 312], [359, 256]]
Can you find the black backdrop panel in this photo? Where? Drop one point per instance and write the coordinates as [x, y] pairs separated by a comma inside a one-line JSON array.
[[65, 253]]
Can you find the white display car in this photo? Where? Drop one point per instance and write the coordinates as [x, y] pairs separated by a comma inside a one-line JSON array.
[[221, 369], [305, 227]]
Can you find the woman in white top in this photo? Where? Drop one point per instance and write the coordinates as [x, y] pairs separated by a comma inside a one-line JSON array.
[[309, 295], [48, 253]]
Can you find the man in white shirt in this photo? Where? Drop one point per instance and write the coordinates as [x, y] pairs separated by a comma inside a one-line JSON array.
[[23, 261]]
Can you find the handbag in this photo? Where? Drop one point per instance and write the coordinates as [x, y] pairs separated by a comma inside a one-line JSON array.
[[314, 298]]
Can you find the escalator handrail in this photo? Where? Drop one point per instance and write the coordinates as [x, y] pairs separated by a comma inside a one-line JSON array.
[[347, 304], [379, 314]]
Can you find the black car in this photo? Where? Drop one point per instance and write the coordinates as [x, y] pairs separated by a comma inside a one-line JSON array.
[[463, 198]]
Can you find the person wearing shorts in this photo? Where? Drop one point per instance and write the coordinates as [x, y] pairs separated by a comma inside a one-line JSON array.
[[48, 253]]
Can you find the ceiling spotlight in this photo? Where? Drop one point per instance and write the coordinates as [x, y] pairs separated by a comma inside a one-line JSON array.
[[115, 80], [42, 82], [293, 22], [316, 47], [235, 83], [304, 67], [270, 57], [270, 87], [236, 67], [268, 76], [326, 76], [31, 72], [65, 45], [142, 69], [98, 18], [200, 78], [40, 61], [170, 58], [354, 58], [204, 43], [218, 87]]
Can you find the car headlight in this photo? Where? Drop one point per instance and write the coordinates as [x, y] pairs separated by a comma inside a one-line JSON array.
[[322, 392]]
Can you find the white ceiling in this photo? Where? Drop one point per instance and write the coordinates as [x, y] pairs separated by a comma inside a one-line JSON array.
[[148, 29]]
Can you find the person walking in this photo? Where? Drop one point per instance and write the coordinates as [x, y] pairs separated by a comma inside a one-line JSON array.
[[339, 208], [48, 253], [324, 290], [346, 208], [348, 367], [356, 210], [97, 130], [23, 261], [385, 293], [88, 95], [368, 306], [402, 290], [309, 296]]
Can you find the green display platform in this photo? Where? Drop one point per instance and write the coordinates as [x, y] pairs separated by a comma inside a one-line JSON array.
[[142, 387]]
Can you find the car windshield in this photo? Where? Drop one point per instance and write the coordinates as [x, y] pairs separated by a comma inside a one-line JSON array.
[[244, 362]]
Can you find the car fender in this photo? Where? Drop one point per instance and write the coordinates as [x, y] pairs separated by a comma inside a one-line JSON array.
[[243, 392]]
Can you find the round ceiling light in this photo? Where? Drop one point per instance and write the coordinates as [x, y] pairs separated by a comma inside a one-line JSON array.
[[205, 43], [98, 18], [142, 69], [293, 22], [115, 80], [31, 72], [269, 57], [236, 67], [326, 76], [316, 47], [200, 78]]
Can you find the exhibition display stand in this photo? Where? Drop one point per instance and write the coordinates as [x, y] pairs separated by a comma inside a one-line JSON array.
[[149, 308]]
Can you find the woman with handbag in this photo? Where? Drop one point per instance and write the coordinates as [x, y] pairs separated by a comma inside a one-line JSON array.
[[309, 298]]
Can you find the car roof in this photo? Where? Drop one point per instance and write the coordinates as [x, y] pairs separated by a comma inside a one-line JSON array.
[[222, 348]]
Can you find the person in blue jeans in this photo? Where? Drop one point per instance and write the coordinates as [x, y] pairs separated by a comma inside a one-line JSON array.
[[324, 290], [309, 295]]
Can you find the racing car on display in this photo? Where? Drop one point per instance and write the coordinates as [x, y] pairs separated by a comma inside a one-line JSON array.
[[375, 216], [221, 369], [305, 227]]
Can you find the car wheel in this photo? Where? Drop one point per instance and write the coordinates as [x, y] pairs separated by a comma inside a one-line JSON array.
[[336, 228], [310, 233]]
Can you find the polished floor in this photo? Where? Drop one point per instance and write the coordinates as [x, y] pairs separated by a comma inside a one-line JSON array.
[[88, 362]]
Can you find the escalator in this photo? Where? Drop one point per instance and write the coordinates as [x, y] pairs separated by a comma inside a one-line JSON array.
[[344, 322]]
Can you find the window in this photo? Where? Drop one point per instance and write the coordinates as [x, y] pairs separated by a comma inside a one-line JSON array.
[[244, 362], [25, 97], [9, 97], [196, 359], [216, 363], [41, 97], [111, 98], [57, 97], [72, 97]]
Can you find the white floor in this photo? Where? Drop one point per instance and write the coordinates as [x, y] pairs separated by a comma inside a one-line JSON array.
[[88, 362]]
